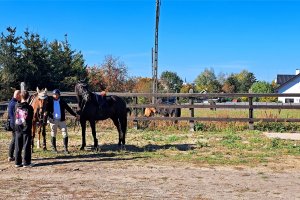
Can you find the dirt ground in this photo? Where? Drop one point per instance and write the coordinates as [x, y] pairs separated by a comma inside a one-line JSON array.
[[105, 176]]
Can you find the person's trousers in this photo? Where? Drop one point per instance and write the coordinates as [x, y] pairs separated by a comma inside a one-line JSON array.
[[54, 124], [11, 148], [23, 141]]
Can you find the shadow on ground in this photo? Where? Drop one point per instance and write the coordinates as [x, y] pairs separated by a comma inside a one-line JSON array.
[[147, 148], [109, 152]]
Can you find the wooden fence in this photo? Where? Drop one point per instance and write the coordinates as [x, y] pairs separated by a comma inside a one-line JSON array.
[[191, 105]]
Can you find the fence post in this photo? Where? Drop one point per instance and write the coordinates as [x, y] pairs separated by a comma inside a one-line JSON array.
[[135, 122], [191, 102], [251, 123]]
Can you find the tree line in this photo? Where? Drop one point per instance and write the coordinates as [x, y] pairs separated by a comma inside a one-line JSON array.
[[38, 62]]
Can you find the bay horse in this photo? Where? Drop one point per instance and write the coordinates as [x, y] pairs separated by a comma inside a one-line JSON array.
[[39, 101], [94, 107], [165, 112]]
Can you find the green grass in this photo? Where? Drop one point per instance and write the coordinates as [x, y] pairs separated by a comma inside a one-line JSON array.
[[228, 147]]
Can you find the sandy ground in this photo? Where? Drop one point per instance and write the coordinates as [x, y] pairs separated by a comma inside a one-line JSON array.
[[110, 177], [284, 136]]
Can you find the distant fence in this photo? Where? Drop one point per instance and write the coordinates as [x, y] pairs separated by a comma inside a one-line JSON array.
[[191, 105]]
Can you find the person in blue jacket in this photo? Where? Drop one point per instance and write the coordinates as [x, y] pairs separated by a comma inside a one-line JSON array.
[[11, 114]]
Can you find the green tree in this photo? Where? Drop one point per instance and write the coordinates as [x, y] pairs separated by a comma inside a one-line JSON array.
[[35, 61], [9, 62], [39, 63], [207, 81], [170, 81], [73, 66], [263, 87], [245, 80], [230, 84], [66, 66]]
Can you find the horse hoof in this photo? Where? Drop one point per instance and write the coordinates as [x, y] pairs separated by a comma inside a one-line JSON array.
[[81, 148], [122, 148], [96, 149]]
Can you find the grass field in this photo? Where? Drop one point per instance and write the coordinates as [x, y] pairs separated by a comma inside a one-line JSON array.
[[228, 147], [272, 113], [165, 162]]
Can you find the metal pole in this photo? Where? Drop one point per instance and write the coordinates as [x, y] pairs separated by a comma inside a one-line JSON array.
[[155, 52]]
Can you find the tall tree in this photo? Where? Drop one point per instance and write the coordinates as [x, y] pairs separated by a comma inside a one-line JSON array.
[[231, 84], [9, 61], [143, 85], [115, 74], [207, 81], [73, 65], [263, 87], [245, 80], [96, 77], [171, 81], [35, 61], [9, 55], [66, 67]]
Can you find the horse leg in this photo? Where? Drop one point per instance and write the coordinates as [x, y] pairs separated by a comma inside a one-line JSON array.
[[44, 137], [39, 137], [83, 128], [93, 127], [123, 123], [117, 124], [33, 135]]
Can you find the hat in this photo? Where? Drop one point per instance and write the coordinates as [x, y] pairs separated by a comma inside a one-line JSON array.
[[56, 91]]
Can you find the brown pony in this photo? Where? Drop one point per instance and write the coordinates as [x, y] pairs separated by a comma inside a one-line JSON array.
[[149, 112], [39, 101]]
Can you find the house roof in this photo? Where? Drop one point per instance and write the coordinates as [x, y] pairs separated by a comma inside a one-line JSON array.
[[286, 78], [282, 78]]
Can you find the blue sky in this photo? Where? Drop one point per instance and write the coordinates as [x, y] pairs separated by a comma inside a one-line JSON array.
[[261, 36]]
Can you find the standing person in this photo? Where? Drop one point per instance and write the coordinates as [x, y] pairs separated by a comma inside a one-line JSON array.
[[11, 114], [23, 126], [57, 118]]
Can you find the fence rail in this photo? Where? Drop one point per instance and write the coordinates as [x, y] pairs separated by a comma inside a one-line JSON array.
[[191, 105]]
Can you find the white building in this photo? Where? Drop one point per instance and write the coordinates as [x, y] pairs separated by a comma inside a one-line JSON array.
[[288, 84]]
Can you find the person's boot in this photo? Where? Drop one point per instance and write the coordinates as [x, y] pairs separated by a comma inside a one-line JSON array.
[[53, 142], [66, 140]]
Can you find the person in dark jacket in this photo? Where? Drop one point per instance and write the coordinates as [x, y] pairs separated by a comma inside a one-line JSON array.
[[23, 126], [11, 115], [57, 118]]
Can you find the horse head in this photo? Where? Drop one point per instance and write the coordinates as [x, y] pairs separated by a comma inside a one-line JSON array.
[[81, 89], [39, 103]]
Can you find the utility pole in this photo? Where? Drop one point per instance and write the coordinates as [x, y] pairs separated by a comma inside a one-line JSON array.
[[155, 53]]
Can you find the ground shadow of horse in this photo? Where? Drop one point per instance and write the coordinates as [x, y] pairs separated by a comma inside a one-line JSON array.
[[147, 148], [87, 158], [107, 153]]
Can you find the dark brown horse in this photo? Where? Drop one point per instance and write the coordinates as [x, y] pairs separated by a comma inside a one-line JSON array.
[[39, 101], [93, 107]]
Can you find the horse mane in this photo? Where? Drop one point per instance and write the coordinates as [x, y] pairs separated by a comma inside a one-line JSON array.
[[32, 97]]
